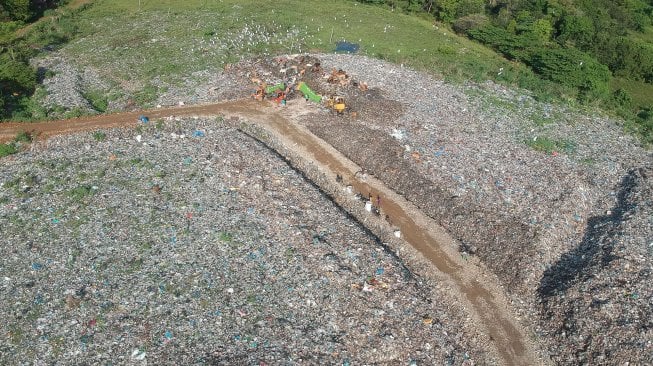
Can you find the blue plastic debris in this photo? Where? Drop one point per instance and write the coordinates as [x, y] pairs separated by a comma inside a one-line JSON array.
[[379, 271], [347, 47], [168, 334], [36, 266], [198, 133], [143, 119]]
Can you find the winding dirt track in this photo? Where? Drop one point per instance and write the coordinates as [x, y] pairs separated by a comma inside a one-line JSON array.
[[487, 303]]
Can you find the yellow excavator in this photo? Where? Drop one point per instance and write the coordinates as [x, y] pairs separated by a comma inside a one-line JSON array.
[[337, 104]]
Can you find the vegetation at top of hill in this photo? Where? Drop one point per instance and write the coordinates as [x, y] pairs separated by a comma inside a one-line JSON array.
[[25, 10], [22, 36], [601, 49]]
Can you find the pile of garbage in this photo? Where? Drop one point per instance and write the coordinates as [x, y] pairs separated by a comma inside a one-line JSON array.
[[302, 77], [482, 173], [185, 241]]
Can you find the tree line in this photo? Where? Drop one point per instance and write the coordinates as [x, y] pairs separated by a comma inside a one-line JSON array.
[[17, 78]]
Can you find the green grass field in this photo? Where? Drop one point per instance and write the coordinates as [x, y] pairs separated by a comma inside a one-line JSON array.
[[641, 92], [168, 40]]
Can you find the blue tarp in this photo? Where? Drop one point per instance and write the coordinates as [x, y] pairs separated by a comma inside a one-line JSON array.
[[347, 47]]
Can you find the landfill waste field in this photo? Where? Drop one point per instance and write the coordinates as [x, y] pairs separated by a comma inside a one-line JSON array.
[[326, 209]]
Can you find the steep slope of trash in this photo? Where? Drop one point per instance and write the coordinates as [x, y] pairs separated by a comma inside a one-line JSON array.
[[596, 301], [524, 192]]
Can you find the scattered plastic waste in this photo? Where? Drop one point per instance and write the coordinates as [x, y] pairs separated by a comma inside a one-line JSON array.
[[347, 47], [143, 119], [198, 133], [440, 151], [398, 134], [138, 355]]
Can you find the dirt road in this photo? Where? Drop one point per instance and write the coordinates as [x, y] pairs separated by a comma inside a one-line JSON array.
[[485, 301]]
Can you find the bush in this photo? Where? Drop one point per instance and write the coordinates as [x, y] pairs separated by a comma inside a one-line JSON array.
[[97, 99], [99, 135], [16, 76], [7, 149], [468, 22], [573, 68], [515, 47], [24, 137]]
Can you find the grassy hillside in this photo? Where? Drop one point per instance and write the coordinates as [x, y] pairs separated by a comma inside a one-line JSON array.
[[143, 47], [166, 39], [137, 47]]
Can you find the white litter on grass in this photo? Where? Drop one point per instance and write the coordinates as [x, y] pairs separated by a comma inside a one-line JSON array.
[[139, 138]]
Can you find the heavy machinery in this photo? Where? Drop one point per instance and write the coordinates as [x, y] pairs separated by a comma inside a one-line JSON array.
[[337, 103], [264, 90], [308, 93], [273, 88]]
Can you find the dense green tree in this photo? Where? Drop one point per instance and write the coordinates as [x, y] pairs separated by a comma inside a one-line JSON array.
[[575, 30], [17, 10], [543, 29], [25, 10], [573, 68], [513, 46]]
